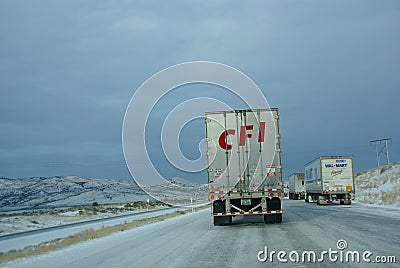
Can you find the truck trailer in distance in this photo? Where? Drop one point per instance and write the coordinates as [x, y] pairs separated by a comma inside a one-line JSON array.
[[297, 186], [330, 178], [244, 164]]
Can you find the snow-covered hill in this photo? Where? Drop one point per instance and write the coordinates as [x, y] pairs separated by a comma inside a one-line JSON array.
[[58, 192], [379, 186], [178, 191], [61, 192]]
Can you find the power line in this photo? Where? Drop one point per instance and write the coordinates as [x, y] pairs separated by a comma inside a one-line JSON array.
[[378, 152]]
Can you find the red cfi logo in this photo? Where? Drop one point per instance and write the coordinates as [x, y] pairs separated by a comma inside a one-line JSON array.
[[242, 136]]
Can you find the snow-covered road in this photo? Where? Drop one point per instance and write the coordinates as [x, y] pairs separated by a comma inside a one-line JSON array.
[[192, 241], [21, 240]]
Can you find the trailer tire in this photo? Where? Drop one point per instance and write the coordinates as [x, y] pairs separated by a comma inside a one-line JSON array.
[[321, 200], [346, 202], [272, 218], [278, 218], [222, 220]]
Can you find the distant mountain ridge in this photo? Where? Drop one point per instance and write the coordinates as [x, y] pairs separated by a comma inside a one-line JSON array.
[[183, 182], [52, 192], [60, 192]]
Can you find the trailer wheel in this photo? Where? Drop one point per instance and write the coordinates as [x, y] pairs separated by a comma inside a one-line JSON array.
[[272, 218], [267, 218], [321, 200], [278, 218], [346, 202], [222, 220]]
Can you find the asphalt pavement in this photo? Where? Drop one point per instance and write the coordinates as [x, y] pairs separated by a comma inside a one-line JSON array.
[[309, 236]]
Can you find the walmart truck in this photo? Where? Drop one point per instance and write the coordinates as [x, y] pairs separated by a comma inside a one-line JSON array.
[[244, 164], [330, 178], [297, 186]]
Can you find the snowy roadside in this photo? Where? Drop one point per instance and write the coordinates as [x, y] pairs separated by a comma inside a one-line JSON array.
[[375, 209], [23, 240], [22, 222], [379, 186]]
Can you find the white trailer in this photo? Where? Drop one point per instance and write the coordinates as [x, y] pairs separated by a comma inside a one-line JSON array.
[[244, 164], [297, 186], [330, 178]]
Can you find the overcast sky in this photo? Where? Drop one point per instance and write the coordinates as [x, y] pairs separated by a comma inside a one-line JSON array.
[[68, 70]]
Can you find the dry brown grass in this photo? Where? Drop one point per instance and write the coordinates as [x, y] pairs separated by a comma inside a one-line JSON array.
[[82, 236], [390, 197]]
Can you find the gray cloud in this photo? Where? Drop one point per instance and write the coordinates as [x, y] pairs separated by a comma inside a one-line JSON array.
[[69, 68]]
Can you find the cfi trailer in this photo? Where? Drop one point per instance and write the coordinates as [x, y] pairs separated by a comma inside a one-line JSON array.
[[244, 164]]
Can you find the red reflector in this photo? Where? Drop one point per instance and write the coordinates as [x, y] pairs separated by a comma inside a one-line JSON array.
[[219, 197], [271, 194], [279, 194], [241, 212], [212, 197]]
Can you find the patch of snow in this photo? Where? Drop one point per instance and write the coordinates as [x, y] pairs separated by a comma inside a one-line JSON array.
[[70, 213], [379, 186]]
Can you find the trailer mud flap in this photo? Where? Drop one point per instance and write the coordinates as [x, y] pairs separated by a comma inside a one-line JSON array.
[[274, 203], [219, 206]]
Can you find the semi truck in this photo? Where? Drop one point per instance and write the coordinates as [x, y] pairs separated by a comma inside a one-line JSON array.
[[297, 186], [244, 164], [330, 178]]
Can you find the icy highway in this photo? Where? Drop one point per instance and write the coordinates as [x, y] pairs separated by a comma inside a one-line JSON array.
[[334, 233]]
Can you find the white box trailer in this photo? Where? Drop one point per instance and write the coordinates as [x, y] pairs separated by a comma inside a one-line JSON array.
[[285, 189], [297, 186], [244, 164], [330, 178]]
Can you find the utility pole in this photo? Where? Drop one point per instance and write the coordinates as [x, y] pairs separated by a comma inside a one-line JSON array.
[[387, 151], [378, 152]]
